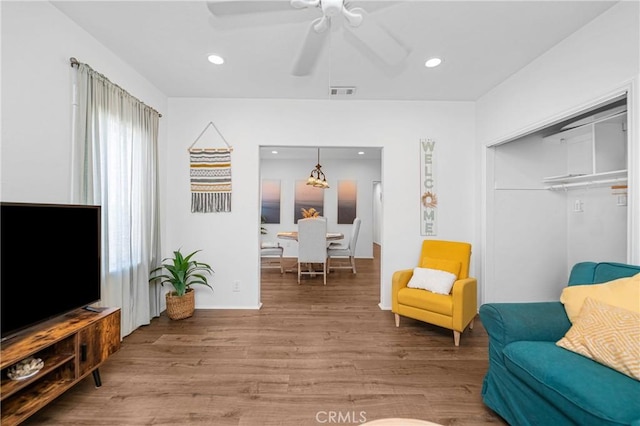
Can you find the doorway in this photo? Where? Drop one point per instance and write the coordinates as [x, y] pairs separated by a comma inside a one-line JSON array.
[[286, 166]]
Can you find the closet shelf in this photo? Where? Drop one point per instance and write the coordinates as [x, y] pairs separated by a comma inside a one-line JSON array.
[[587, 180]]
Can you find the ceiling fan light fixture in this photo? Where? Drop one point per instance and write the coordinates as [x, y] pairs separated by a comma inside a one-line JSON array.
[[432, 62], [215, 59]]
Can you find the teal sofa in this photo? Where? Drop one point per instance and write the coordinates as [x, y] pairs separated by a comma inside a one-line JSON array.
[[531, 381]]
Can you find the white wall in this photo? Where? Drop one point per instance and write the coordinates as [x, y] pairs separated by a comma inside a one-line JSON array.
[[594, 63], [37, 42], [377, 212], [598, 58], [230, 240], [527, 229], [364, 172]]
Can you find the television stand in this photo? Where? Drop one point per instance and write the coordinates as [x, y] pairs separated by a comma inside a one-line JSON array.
[[71, 346]]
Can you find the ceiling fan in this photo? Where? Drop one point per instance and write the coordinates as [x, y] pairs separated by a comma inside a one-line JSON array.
[[371, 36]]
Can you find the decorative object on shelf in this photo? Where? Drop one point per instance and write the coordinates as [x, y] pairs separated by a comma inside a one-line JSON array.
[[24, 369], [311, 213], [428, 189], [181, 272], [210, 174], [316, 177]]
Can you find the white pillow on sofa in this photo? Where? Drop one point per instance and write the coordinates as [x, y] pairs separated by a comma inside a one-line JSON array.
[[433, 280]]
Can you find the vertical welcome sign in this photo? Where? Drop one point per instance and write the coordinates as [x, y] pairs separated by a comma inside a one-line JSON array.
[[428, 189]]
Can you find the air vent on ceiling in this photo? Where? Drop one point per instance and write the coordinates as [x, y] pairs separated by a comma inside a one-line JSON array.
[[342, 91]]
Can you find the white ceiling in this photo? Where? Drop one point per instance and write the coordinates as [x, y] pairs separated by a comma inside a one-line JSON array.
[[326, 153], [481, 42]]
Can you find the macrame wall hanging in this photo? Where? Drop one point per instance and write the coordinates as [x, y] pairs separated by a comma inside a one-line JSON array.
[[210, 176]]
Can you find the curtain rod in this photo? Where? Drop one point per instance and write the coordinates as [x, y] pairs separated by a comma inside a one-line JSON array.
[[75, 63]]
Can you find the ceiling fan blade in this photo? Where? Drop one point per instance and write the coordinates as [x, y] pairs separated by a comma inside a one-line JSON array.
[[299, 4], [378, 40], [234, 7], [311, 49], [238, 15]]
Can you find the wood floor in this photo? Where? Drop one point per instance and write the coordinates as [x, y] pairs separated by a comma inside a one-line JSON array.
[[312, 355]]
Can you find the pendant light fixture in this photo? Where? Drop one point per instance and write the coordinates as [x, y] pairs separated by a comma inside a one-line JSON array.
[[317, 178]]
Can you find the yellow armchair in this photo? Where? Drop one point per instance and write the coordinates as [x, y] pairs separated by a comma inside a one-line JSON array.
[[454, 311]]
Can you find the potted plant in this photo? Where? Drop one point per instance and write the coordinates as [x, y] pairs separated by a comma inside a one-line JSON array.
[[181, 272], [311, 213]]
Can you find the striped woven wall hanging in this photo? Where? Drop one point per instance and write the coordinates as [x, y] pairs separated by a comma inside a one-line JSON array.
[[210, 180], [210, 177]]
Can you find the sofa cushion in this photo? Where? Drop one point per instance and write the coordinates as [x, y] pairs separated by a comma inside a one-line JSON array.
[[607, 334], [622, 292], [607, 271], [582, 273], [439, 303], [586, 391]]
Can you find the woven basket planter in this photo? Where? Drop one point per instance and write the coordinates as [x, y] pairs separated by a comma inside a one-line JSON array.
[[180, 307]]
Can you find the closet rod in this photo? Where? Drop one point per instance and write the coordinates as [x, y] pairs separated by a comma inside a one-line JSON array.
[[591, 183], [75, 63]]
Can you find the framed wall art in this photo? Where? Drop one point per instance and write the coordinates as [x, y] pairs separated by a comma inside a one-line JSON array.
[[270, 209], [347, 201], [307, 197]]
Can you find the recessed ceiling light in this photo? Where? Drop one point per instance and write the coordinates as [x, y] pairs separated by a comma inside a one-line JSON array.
[[274, 152], [360, 152], [215, 59], [433, 62]]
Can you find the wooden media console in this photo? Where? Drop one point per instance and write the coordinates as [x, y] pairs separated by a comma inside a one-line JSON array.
[[71, 346]]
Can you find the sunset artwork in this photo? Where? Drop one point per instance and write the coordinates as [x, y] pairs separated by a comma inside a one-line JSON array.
[[347, 200], [307, 197], [270, 201]]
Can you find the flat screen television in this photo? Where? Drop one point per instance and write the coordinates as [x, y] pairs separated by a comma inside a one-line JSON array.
[[49, 262]]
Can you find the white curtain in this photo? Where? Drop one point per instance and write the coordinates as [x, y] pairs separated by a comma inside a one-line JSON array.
[[115, 158]]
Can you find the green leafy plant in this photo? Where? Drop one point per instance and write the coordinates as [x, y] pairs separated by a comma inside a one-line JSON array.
[[263, 230], [182, 272]]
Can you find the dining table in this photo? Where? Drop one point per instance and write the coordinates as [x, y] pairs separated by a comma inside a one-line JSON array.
[[293, 235]]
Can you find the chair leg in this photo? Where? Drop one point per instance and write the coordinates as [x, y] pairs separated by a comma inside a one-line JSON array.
[[298, 272], [324, 272], [471, 324], [328, 265], [397, 320], [353, 263], [456, 338]]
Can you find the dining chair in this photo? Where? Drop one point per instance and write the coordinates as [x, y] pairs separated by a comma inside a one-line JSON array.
[[271, 256], [312, 246], [337, 250]]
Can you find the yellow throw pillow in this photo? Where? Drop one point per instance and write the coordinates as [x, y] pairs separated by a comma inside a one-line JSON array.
[[446, 265], [606, 334], [623, 292]]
